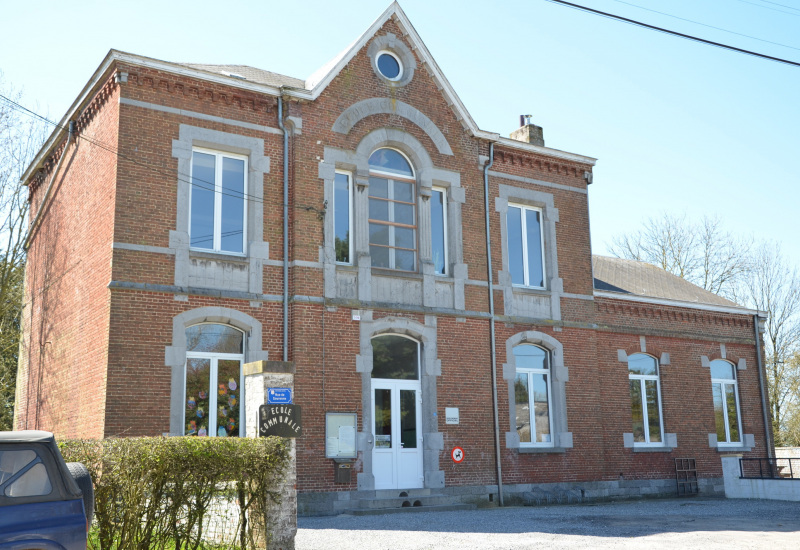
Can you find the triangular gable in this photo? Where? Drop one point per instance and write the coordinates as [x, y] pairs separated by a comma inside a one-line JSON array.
[[317, 82]]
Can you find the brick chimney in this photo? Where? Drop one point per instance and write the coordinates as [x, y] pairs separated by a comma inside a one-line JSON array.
[[527, 132]]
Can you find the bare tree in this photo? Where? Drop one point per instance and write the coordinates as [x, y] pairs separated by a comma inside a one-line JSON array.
[[773, 286], [20, 137], [702, 253]]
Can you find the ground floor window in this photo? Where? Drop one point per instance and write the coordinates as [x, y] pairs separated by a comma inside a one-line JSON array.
[[726, 401], [645, 399], [532, 395], [213, 381]]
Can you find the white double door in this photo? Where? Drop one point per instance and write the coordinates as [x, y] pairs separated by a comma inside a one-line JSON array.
[[397, 433]]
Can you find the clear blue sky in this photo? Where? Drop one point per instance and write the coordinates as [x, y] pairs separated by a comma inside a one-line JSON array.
[[677, 126]]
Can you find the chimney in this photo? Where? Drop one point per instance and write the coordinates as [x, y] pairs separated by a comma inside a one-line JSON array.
[[527, 132]]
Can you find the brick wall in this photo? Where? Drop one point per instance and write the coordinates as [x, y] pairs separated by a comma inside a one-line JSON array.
[[95, 357], [62, 382]]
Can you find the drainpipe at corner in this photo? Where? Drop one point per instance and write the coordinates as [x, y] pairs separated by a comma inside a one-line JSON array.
[[762, 388], [285, 228], [493, 347]]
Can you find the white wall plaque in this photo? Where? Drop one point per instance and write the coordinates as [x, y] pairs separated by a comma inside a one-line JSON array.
[[451, 415]]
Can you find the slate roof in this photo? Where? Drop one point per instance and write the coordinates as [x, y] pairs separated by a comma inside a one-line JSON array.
[[259, 76], [642, 279]]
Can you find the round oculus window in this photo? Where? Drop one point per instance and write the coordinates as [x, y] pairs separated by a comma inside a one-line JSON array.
[[389, 65]]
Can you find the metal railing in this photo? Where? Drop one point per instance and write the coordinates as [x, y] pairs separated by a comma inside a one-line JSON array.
[[769, 468]]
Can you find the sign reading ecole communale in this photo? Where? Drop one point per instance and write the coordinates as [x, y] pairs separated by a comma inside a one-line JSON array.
[[280, 420]]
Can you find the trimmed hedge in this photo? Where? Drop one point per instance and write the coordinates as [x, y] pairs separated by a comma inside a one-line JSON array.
[[155, 492]]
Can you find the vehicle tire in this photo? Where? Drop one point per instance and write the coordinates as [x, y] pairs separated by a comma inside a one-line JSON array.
[[84, 481]]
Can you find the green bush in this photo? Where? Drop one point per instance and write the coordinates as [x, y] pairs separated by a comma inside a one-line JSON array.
[[155, 492]]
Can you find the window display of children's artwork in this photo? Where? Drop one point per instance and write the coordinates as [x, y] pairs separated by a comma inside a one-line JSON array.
[[212, 405]]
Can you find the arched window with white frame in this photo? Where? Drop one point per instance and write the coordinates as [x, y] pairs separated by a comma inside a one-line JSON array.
[[392, 211], [213, 381], [532, 395], [725, 390], [645, 388]]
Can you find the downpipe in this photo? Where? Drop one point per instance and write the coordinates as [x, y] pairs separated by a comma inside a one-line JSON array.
[[762, 387], [493, 346], [285, 230]]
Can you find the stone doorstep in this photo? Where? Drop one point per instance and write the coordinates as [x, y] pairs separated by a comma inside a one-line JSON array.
[[409, 509], [404, 500], [397, 493]]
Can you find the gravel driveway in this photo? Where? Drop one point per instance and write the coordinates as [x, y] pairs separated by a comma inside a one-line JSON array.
[[673, 523]]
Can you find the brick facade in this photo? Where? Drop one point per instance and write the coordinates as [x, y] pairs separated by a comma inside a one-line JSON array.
[[107, 279]]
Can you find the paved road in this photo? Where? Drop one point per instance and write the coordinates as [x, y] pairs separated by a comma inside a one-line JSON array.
[[652, 524]]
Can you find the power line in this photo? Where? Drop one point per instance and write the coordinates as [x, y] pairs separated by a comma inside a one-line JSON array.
[[773, 9], [705, 25], [782, 5], [674, 33], [200, 183]]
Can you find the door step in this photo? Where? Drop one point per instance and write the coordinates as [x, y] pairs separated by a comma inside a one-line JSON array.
[[404, 501], [409, 509]]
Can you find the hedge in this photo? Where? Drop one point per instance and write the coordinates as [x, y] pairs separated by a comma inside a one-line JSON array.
[[155, 492]]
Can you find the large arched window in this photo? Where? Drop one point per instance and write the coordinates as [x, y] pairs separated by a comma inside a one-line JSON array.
[[645, 399], [392, 211], [532, 395], [726, 401], [213, 381]]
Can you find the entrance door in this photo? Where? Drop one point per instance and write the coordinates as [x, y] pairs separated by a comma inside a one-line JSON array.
[[397, 424], [397, 452]]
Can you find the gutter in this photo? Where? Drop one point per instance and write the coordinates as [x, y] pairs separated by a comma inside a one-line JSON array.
[[493, 345], [761, 388], [737, 310], [116, 56]]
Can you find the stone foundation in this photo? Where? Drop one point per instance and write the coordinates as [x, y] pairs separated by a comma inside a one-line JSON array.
[[482, 496]]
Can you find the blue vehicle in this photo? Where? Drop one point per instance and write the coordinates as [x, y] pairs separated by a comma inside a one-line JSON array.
[[45, 503]]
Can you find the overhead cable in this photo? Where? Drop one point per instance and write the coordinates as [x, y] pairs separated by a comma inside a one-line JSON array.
[[674, 33], [705, 25]]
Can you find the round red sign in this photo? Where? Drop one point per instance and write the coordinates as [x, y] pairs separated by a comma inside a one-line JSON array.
[[457, 454]]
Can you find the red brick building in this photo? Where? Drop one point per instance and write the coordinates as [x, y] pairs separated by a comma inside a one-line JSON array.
[[159, 264]]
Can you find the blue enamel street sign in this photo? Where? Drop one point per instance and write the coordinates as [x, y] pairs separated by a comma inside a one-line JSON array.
[[279, 396]]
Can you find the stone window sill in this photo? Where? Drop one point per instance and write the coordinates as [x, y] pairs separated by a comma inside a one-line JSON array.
[[382, 272], [530, 290], [652, 449], [739, 449], [218, 256], [541, 450]]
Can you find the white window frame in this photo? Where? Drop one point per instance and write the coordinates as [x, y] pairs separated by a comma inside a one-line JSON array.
[[391, 175], [524, 224], [530, 372], [642, 391], [446, 236], [729, 382], [213, 373], [218, 192], [396, 58], [350, 212], [405, 179]]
